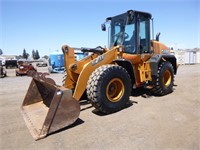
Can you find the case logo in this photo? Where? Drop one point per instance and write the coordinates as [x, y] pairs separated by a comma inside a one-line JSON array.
[[97, 60]]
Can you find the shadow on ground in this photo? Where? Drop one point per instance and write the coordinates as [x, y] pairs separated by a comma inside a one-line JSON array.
[[76, 123]]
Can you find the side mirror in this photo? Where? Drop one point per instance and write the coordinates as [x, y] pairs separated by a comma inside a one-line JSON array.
[[103, 27]]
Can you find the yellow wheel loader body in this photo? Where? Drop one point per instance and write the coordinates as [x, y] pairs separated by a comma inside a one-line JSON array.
[[107, 76]]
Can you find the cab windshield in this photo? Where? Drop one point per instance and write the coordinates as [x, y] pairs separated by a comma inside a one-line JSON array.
[[122, 32]]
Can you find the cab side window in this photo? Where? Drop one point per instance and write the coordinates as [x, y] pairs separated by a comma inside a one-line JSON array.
[[144, 35]]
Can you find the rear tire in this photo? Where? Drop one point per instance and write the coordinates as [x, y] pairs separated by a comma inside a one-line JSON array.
[[109, 88], [164, 80]]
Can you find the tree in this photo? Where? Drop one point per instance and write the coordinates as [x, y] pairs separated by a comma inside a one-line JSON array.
[[25, 55], [1, 52], [37, 56], [33, 54]]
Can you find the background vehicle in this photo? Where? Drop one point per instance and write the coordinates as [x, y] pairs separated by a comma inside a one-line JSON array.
[[24, 68], [11, 63], [79, 54], [3, 72], [56, 62], [41, 64], [107, 76], [2, 61]]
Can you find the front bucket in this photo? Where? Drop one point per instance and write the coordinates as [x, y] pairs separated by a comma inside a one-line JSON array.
[[48, 108]]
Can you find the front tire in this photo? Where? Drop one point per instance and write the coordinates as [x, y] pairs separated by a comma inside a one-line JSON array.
[[164, 80], [109, 88]]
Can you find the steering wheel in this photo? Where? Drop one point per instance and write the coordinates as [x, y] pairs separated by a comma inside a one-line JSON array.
[[118, 35]]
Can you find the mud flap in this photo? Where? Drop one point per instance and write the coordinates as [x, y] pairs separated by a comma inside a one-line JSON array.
[[47, 107]]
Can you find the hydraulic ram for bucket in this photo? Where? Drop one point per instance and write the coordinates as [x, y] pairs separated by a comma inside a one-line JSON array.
[[47, 107]]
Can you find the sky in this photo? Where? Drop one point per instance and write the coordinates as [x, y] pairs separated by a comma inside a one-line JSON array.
[[46, 25]]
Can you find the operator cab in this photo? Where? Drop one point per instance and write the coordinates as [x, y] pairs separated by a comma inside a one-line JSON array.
[[130, 29]]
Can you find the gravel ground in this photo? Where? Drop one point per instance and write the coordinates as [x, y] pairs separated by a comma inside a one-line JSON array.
[[171, 122]]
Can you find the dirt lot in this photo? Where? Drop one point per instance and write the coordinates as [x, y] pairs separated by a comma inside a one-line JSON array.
[[170, 122]]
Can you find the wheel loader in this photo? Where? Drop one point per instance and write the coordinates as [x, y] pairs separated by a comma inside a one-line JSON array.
[[107, 76]]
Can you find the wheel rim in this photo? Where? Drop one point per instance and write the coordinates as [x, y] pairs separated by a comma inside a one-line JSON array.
[[167, 78], [115, 90]]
